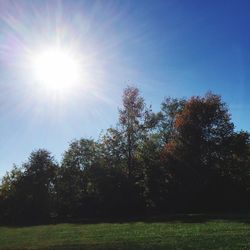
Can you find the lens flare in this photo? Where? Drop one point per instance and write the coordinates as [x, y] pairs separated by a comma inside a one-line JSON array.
[[55, 68]]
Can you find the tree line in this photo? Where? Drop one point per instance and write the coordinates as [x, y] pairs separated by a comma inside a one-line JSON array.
[[188, 157]]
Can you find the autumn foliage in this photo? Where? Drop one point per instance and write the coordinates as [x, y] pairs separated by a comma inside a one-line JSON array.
[[187, 157]]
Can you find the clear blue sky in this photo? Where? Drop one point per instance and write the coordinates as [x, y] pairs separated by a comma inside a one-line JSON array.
[[166, 48]]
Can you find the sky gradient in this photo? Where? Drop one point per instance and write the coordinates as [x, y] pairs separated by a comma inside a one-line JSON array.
[[166, 48]]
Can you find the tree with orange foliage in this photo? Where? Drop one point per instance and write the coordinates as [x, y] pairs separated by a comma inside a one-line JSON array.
[[201, 149]]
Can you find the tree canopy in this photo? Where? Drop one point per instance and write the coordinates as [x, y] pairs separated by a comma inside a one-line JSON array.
[[187, 157]]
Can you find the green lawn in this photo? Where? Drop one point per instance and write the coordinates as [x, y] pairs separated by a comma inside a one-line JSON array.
[[178, 234]]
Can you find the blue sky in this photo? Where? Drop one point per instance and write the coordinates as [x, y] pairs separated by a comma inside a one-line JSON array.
[[166, 48]]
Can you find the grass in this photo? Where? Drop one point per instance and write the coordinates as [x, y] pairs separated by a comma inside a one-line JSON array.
[[170, 234]]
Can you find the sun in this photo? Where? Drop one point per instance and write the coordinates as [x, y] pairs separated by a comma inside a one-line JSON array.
[[55, 68]]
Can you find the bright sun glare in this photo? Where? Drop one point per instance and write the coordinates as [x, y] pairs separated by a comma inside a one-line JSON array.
[[55, 68]]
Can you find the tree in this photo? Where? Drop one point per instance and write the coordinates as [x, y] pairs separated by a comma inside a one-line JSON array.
[[113, 149], [170, 108], [204, 129], [199, 151], [8, 190], [72, 180], [135, 119], [82, 154], [30, 189], [238, 168], [153, 180], [38, 185], [188, 157], [121, 147]]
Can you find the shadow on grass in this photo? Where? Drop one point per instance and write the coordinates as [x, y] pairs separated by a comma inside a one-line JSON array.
[[181, 218], [201, 218]]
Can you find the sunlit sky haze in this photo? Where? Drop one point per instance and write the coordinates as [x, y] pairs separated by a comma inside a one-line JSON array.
[[166, 48]]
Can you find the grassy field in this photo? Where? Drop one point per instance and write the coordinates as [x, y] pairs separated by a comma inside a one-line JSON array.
[[189, 233]]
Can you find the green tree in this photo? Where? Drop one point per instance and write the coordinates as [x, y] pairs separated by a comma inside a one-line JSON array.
[[113, 149], [72, 181], [30, 189], [8, 194], [37, 185], [238, 167]]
